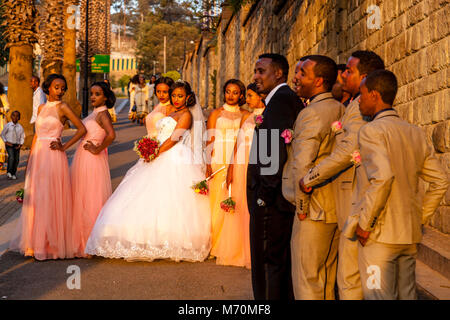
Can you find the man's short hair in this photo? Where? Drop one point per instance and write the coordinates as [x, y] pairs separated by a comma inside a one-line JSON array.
[[326, 69], [37, 78], [384, 82], [341, 67], [16, 111], [304, 58], [369, 61], [279, 61]]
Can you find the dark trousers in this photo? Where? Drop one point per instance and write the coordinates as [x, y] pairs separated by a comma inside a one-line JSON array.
[[270, 237], [13, 159]]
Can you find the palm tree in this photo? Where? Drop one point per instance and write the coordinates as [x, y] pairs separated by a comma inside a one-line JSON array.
[[52, 37], [69, 63], [99, 33], [20, 23]]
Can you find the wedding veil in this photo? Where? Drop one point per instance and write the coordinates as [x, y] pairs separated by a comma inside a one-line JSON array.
[[198, 130]]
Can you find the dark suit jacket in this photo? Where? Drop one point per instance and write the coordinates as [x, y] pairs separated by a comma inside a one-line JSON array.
[[279, 115]]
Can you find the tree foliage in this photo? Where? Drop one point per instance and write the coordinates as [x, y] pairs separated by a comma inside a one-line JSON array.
[[180, 34]]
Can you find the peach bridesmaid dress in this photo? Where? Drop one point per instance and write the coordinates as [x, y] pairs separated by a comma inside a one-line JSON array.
[[46, 220], [227, 127], [91, 182], [233, 245]]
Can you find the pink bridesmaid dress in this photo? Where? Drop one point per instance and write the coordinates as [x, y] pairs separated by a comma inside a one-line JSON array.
[[46, 219], [233, 246], [91, 182]]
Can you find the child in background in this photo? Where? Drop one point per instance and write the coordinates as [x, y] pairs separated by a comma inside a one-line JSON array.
[[13, 135]]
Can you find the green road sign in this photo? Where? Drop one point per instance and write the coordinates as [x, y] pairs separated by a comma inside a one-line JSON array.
[[100, 63]]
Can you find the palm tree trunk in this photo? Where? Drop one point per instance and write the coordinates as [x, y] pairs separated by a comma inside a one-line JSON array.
[[69, 63], [20, 18], [53, 38], [20, 93]]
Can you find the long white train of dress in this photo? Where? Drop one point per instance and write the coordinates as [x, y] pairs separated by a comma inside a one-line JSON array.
[[154, 213]]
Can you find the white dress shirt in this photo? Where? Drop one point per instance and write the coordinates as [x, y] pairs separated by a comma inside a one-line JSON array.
[[271, 93], [13, 133], [38, 99]]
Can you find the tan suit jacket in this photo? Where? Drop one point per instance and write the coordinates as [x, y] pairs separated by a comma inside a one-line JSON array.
[[394, 155], [338, 164], [313, 141]]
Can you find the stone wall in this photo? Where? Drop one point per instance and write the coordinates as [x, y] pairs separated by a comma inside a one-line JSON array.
[[412, 38]]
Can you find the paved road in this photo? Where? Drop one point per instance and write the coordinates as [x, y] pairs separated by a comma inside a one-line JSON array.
[[25, 278]]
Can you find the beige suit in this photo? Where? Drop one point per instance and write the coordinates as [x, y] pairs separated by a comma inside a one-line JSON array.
[[314, 240], [394, 155], [338, 166]]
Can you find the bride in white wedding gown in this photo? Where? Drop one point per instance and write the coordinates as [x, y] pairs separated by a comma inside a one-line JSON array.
[[154, 213]]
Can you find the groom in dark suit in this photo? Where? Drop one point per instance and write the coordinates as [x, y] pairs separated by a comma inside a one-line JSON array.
[[271, 215]]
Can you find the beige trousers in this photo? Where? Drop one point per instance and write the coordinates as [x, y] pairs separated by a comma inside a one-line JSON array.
[[348, 278], [314, 247], [388, 270]]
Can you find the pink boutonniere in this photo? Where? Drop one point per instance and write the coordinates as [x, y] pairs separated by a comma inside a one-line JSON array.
[[336, 126], [259, 120], [356, 158], [287, 135]]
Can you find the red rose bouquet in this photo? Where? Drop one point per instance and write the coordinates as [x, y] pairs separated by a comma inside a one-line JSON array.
[[147, 148]]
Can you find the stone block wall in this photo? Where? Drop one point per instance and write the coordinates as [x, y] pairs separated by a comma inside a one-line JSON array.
[[412, 38]]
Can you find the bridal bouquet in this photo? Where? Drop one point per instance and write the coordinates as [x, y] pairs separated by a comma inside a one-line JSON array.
[[147, 148], [19, 195]]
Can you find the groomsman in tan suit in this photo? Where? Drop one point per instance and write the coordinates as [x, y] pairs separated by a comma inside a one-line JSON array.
[[339, 166], [388, 214], [314, 237]]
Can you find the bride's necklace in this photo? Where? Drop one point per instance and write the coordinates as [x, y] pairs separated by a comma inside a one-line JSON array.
[[180, 109]]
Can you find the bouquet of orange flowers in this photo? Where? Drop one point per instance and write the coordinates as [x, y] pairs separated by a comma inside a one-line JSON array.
[[147, 148]]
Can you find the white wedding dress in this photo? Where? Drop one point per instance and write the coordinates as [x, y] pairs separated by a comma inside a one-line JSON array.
[[154, 213]]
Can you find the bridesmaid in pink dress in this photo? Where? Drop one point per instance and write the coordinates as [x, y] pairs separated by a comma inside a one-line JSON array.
[[234, 243], [45, 228], [89, 173]]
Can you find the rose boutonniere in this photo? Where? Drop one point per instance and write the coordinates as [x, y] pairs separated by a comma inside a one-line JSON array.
[[356, 158], [259, 120], [287, 135], [336, 126]]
